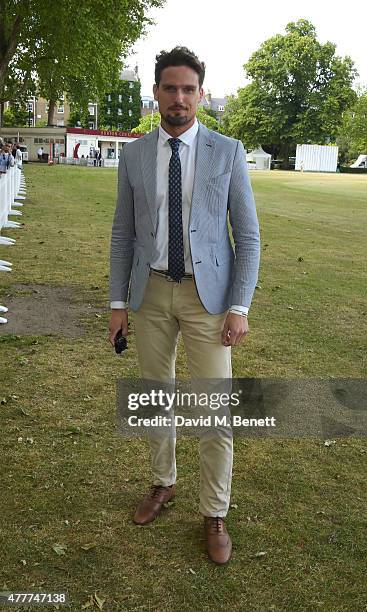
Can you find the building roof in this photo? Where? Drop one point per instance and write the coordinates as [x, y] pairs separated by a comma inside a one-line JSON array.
[[215, 102]]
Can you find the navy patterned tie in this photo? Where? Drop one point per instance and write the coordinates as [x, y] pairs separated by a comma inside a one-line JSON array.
[[176, 260]]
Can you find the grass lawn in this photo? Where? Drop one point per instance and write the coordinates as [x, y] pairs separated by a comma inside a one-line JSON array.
[[70, 482]]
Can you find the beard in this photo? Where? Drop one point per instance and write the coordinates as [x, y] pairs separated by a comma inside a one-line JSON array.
[[176, 120]]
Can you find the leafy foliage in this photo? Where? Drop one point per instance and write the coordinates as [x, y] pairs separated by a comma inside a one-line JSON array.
[[124, 105], [15, 116], [299, 89], [77, 49], [123, 96], [150, 122], [352, 138]]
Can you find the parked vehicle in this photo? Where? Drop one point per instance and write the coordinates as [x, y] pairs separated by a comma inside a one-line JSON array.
[[24, 150]]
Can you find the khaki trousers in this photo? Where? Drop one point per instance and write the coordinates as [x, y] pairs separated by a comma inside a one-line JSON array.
[[167, 309]]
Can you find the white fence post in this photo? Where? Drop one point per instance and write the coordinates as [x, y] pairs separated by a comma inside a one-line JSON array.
[[12, 192]]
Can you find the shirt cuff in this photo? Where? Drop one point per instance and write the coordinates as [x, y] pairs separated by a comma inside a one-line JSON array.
[[240, 309], [118, 305]]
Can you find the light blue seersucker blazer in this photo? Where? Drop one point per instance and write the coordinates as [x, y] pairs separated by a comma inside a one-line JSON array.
[[221, 185]]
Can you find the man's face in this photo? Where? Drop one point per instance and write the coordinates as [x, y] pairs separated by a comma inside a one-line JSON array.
[[178, 95]]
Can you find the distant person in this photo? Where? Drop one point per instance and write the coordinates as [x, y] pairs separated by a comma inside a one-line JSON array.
[[4, 163], [9, 147], [18, 156], [40, 153]]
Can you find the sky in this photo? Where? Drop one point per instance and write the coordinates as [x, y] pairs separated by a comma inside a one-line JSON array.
[[225, 33]]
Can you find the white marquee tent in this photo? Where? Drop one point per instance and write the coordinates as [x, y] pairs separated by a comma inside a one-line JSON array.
[[258, 159], [361, 162]]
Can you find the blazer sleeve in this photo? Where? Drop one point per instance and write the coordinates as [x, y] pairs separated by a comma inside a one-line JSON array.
[[245, 230], [123, 236]]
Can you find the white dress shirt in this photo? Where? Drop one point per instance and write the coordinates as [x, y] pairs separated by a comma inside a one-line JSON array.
[[187, 151]]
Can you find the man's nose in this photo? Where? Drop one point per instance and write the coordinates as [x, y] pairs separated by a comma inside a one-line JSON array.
[[179, 97]]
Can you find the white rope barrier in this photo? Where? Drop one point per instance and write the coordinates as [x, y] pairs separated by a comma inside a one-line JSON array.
[[12, 194]]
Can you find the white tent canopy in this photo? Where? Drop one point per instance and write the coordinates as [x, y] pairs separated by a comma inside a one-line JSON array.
[[259, 159], [361, 162]]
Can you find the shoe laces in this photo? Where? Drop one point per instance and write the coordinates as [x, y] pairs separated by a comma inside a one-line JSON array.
[[216, 523], [156, 490]]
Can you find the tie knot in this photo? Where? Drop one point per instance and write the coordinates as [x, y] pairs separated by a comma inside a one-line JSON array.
[[174, 144]]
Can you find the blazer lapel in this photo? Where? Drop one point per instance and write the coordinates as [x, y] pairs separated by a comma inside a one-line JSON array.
[[148, 148], [203, 169]]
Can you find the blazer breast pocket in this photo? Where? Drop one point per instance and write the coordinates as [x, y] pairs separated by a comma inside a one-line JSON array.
[[220, 178], [219, 184]]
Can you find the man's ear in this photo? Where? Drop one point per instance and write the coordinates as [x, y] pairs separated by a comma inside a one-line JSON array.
[[155, 91], [201, 93]]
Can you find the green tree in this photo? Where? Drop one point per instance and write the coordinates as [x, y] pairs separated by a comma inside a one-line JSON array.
[[149, 122], [352, 137], [15, 116], [123, 103], [298, 92], [211, 112], [78, 117], [69, 48]]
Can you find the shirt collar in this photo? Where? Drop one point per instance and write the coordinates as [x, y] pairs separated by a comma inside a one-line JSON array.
[[187, 137]]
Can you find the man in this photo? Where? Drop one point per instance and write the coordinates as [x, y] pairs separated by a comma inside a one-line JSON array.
[[40, 153], [18, 156], [11, 161], [4, 159], [170, 243]]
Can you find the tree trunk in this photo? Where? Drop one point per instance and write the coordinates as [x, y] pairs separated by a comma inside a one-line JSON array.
[[51, 112], [9, 42], [284, 154], [2, 104]]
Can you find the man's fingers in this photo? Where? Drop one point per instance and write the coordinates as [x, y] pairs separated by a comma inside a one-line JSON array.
[[225, 335], [113, 333], [119, 322], [233, 338]]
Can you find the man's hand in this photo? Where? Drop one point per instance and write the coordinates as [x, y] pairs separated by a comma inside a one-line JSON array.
[[118, 320], [235, 328]]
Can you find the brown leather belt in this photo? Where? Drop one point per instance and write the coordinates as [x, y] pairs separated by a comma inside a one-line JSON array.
[[165, 273]]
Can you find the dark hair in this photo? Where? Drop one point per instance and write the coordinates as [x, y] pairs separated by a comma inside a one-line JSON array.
[[179, 56]]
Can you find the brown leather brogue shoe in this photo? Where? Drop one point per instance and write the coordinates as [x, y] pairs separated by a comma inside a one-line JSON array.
[[218, 542], [151, 505]]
